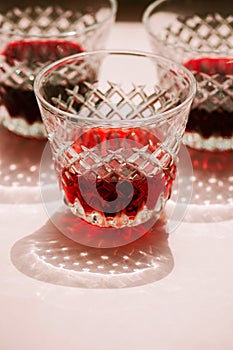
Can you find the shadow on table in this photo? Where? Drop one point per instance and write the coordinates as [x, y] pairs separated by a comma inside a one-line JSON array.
[[212, 181], [20, 163], [51, 257]]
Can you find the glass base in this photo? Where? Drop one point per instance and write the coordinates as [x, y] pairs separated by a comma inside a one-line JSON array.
[[213, 143], [119, 220], [20, 127]]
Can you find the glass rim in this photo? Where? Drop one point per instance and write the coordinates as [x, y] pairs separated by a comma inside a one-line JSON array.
[[145, 19], [113, 6], [69, 59]]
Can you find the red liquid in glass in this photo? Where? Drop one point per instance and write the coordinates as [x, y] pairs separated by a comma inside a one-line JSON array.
[[116, 189], [19, 98], [218, 119]]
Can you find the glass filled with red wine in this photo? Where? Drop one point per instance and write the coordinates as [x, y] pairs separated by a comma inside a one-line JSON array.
[[115, 122], [33, 34], [199, 34]]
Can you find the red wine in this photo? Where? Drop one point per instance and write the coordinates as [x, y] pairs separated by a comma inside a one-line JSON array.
[[121, 187], [17, 92], [215, 117], [39, 51]]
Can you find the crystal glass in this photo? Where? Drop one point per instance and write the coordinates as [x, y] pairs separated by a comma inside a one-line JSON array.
[[33, 34], [199, 34], [115, 121]]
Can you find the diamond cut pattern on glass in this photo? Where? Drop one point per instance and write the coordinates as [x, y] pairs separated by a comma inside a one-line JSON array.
[[214, 91], [210, 32], [52, 20], [116, 102]]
